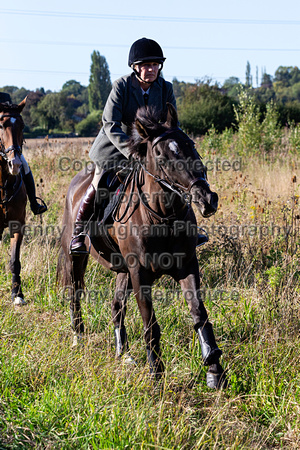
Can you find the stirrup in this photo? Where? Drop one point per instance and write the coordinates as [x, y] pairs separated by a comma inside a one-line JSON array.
[[43, 206], [202, 238], [75, 252]]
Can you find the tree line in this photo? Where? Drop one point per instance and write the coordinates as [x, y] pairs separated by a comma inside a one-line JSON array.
[[77, 109]]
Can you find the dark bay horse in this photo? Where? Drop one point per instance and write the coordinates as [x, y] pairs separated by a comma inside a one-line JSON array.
[[12, 189], [154, 232]]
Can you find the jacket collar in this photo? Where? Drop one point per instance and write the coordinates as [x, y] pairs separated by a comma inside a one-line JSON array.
[[137, 91]]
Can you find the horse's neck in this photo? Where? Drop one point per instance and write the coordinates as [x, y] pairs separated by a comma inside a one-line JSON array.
[[3, 172]]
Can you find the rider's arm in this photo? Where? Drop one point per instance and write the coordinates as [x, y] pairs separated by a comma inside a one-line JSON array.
[[112, 118]]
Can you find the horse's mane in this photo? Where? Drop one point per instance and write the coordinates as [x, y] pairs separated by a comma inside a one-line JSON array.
[[153, 122]]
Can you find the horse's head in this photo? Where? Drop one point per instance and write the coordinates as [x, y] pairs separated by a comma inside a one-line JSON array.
[[171, 157], [11, 135]]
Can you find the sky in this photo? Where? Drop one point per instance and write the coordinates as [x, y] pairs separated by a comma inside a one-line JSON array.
[[47, 44]]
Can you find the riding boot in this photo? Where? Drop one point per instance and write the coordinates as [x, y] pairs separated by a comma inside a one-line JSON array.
[[36, 207], [85, 212]]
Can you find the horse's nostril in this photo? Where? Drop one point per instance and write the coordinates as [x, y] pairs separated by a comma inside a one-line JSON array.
[[214, 198]]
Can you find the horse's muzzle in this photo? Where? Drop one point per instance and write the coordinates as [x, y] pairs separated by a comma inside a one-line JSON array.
[[206, 202]]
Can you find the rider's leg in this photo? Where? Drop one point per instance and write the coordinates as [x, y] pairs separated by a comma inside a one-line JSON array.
[[84, 214], [35, 206]]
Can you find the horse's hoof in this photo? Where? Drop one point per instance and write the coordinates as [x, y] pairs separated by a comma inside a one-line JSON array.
[[19, 301], [77, 341], [216, 380], [128, 359]]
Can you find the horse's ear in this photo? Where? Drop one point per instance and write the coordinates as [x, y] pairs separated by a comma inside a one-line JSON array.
[[22, 104], [172, 117], [141, 129]]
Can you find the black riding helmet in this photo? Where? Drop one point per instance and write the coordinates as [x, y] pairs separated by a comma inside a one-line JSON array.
[[4, 97], [144, 50]]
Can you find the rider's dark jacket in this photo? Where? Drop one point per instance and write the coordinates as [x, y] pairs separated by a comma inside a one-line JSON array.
[[110, 146]]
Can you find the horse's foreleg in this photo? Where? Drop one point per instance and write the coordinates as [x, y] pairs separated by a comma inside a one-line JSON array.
[[118, 309], [15, 268], [78, 266], [190, 284], [142, 283]]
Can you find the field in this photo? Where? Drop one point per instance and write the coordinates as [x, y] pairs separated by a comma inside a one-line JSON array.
[[53, 397]]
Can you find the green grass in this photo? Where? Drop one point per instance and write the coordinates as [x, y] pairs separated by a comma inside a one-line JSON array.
[[55, 397]]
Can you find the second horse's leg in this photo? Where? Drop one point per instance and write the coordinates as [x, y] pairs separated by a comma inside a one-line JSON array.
[[78, 266], [15, 267], [118, 309], [142, 283]]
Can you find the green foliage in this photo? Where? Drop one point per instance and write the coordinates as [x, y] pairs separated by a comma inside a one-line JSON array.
[[271, 132], [248, 123], [99, 83], [203, 106], [49, 112], [248, 75], [231, 87], [91, 125]]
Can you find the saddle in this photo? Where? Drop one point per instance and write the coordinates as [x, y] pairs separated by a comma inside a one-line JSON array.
[[109, 195]]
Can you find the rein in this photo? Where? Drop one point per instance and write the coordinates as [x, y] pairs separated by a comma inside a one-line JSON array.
[[182, 191]]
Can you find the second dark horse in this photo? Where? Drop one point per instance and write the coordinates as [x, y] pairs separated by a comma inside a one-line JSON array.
[[168, 174]]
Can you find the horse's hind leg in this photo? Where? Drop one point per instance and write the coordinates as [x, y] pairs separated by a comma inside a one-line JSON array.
[[142, 282], [15, 267], [118, 309]]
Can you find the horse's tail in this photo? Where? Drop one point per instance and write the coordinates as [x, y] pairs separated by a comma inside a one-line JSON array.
[[63, 276]]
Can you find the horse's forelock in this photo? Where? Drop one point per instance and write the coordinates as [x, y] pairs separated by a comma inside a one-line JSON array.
[[154, 124], [151, 118]]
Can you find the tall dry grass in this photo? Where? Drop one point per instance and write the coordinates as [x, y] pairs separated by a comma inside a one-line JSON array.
[[54, 397]]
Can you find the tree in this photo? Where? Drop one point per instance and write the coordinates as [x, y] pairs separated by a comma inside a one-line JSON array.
[[248, 75], [231, 87], [91, 125], [99, 83], [50, 111], [204, 106], [73, 87]]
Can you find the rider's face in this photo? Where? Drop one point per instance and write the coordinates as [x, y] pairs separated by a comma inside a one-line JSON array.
[[148, 71]]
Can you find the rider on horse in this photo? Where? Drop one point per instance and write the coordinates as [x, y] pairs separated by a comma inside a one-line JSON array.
[[144, 86], [36, 207]]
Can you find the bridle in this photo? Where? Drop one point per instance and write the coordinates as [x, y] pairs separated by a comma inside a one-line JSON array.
[[4, 152], [12, 148], [166, 181], [182, 191]]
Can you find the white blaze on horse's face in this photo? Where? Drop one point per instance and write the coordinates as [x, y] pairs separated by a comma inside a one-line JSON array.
[[173, 146], [12, 120], [14, 164]]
